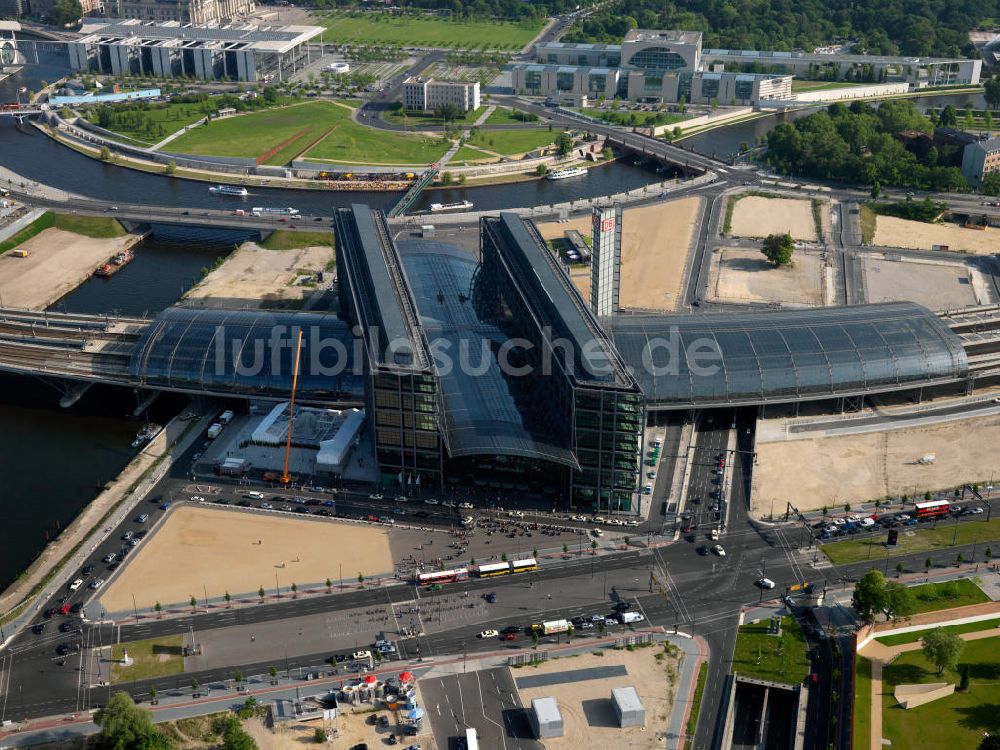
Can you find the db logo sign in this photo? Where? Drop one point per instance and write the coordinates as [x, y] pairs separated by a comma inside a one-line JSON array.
[[606, 225]]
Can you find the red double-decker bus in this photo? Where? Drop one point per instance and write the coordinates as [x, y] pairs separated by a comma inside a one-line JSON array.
[[932, 509]]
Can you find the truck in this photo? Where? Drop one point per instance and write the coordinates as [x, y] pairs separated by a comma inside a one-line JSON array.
[[629, 618], [214, 430], [232, 467], [226, 417], [555, 626]]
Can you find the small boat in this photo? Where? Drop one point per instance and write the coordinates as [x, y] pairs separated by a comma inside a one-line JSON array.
[[562, 174], [459, 206], [146, 433], [115, 264], [229, 190]]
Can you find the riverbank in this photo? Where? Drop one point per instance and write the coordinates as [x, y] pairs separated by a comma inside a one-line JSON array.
[[56, 262], [119, 495]]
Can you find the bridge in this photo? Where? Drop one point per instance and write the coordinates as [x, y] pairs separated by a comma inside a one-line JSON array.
[[181, 350], [21, 111]]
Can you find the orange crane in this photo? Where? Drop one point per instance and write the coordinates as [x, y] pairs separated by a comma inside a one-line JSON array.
[[285, 478]]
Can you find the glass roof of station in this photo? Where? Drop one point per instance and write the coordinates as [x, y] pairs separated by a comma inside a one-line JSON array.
[[759, 357], [485, 410], [248, 352]]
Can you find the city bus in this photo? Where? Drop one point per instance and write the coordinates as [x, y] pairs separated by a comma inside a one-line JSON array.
[[933, 509], [523, 566], [492, 569], [442, 576]]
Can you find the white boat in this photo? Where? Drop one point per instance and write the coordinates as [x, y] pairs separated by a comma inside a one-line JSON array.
[[229, 190], [562, 174], [461, 205]]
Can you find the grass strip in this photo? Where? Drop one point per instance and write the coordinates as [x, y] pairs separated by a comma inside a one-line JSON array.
[[699, 692], [912, 539], [285, 239], [39, 225], [966, 627]]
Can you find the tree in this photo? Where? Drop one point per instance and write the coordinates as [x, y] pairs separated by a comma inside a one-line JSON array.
[[295, 589], [273, 671], [565, 549], [825, 510], [319, 735], [778, 249], [988, 552], [963, 683], [593, 545], [105, 153], [361, 578], [991, 92], [541, 170], [503, 557], [158, 607], [238, 677], [899, 569], [897, 601], [329, 585], [448, 112], [171, 167], [868, 596], [236, 737], [260, 593], [125, 726], [228, 597], [948, 117], [928, 564], [876, 189], [152, 694], [942, 648], [193, 602], [65, 12], [564, 143], [194, 684], [990, 742]]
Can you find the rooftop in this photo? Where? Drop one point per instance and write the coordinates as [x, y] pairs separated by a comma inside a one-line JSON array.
[[264, 38], [823, 57], [546, 709], [659, 35]]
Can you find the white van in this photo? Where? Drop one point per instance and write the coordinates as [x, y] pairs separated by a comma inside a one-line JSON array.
[[255, 495]]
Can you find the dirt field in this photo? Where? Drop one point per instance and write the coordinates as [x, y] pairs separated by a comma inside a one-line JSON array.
[[228, 550], [919, 235], [256, 276], [744, 275], [350, 730], [656, 241], [948, 285], [855, 468], [57, 263], [755, 216], [585, 705]]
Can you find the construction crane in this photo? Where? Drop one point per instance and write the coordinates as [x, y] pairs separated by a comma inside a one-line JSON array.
[[285, 478]]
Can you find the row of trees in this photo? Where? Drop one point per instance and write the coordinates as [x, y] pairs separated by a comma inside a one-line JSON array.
[[879, 27], [126, 726], [865, 145]]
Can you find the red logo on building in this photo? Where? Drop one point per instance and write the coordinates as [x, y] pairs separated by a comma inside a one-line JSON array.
[[608, 224]]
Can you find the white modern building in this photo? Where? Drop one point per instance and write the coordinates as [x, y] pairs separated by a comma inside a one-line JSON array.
[[427, 94], [606, 259], [183, 11], [241, 52], [671, 66], [322, 441]]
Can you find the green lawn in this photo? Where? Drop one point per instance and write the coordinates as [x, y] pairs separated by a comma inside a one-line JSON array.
[[416, 119], [932, 597], [155, 657], [635, 118], [957, 721], [916, 635], [285, 239], [39, 225], [320, 129], [914, 539], [757, 654], [100, 227], [508, 142], [506, 116], [425, 31], [468, 153], [144, 125], [863, 705], [800, 86]]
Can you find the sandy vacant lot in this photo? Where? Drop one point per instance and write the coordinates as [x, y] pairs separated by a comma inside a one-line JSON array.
[[742, 274], [919, 235], [755, 216], [222, 550], [853, 468], [257, 276], [944, 286], [656, 241], [585, 705], [57, 263]]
